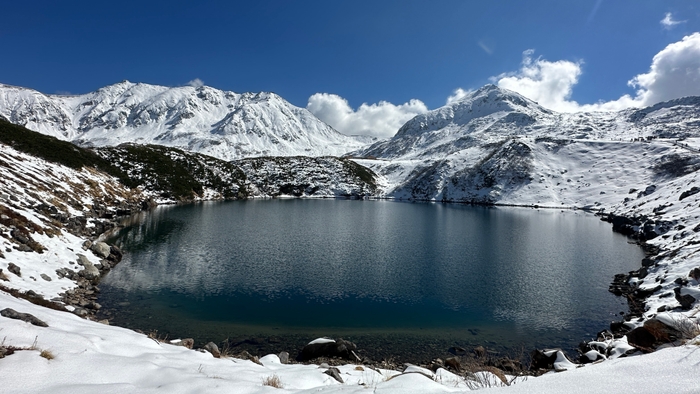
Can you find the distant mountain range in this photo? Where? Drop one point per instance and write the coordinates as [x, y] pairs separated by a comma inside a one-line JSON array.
[[222, 124], [493, 146]]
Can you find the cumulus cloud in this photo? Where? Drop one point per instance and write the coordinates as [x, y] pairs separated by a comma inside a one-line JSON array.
[[549, 83], [668, 22], [379, 120], [674, 73], [197, 83]]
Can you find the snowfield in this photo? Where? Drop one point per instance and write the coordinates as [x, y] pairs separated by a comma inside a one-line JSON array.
[[635, 168]]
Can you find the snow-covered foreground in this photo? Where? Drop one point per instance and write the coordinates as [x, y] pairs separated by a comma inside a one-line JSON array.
[[89, 357]]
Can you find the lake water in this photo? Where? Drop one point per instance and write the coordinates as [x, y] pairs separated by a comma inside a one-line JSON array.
[[406, 280]]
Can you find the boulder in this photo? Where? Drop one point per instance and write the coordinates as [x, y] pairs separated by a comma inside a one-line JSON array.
[[686, 300], [543, 359], [115, 254], [641, 338], [324, 347], [692, 191], [437, 364], [453, 363], [187, 342], [334, 373], [26, 317], [661, 332], [284, 357], [480, 352], [14, 269], [89, 271], [695, 273], [100, 249], [213, 349], [82, 312]]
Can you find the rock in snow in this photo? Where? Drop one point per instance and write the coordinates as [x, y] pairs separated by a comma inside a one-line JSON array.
[[25, 317]]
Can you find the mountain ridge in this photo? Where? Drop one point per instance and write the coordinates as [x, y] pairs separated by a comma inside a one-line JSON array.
[[223, 124]]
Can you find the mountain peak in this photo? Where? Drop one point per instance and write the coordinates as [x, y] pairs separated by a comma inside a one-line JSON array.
[[203, 119], [487, 102]]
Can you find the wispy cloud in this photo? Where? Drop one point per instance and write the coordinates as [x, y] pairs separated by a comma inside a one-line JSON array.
[[594, 11], [485, 47], [668, 22], [196, 83]]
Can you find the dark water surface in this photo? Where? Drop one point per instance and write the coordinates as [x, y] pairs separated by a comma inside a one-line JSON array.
[[399, 279]]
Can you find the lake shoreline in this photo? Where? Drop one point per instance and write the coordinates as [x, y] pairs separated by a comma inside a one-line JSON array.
[[251, 344]]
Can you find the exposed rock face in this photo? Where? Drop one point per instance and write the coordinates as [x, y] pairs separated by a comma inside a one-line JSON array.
[[26, 317], [307, 177]]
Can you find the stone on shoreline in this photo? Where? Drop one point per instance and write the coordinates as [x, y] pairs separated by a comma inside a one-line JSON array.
[[323, 347], [213, 349], [100, 249]]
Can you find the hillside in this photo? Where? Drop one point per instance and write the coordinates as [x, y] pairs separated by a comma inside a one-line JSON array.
[[495, 146]]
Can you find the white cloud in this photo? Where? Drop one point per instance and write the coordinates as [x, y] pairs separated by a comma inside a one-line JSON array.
[[378, 120], [668, 22], [674, 73], [197, 83], [548, 83], [457, 95]]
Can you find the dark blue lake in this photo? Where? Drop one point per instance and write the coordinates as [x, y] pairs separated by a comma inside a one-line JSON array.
[[399, 279]]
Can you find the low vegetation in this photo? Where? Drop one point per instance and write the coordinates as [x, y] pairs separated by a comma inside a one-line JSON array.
[[272, 381]]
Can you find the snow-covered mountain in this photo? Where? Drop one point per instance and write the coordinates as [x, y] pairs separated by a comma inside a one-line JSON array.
[[218, 123], [496, 146]]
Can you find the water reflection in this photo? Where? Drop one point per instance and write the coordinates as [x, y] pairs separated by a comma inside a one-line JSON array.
[[383, 263]]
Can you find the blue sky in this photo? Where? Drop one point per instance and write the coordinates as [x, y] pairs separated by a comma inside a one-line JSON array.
[[361, 51]]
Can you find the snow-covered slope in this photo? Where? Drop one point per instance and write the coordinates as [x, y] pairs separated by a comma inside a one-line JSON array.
[[47, 212], [498, 146], [222, 124]]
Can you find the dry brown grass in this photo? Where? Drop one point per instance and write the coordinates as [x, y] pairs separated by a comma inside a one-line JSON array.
[[153, 334], [47, 354], [272, 381]]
